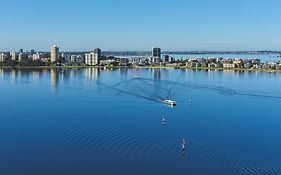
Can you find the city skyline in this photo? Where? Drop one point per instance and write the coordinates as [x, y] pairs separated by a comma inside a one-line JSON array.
[[127, 25]]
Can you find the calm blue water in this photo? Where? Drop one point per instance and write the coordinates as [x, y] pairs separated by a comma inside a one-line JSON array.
[[108, 122]]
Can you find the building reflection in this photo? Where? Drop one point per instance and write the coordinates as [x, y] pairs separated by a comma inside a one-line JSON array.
[[92, 74], [156, 74], [92, 77], [54, 78], [1, 73], [63, 76], [123, 72], [35, 75], [13, 75]]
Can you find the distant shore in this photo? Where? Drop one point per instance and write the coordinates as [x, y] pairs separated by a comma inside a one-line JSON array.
[[214, 69], [145, 67]]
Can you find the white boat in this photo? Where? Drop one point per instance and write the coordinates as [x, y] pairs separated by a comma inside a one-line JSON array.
[[169, 102]]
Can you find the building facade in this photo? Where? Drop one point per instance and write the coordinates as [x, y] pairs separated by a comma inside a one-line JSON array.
[[20, 56], [37, 56], [93, 58], [167, 58], [54, 53], [13, 55], [76, 59], [66, 57], [2, 57], [156, 55]]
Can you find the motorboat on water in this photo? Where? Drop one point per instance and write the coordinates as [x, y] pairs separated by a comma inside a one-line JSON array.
[[170, 102]]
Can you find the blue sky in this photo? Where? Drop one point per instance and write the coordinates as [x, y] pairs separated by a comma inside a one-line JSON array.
[[140, 25]]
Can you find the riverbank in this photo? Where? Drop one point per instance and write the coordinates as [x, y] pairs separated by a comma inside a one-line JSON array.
[[148, 67], [209, 68]]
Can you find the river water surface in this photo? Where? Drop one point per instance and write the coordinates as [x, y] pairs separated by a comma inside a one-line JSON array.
[[108, 122]]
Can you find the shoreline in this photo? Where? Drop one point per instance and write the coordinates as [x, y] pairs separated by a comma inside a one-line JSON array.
[[146, 67]]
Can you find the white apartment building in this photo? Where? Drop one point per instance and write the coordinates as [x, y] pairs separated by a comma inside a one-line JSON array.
[[37, 56], [92, 59], [2, 57], [13, 55]]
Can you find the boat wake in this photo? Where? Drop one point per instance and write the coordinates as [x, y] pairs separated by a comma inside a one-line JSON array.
[[161, 90]]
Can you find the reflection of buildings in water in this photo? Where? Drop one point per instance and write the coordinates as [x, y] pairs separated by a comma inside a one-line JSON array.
[[123, 72], [1, 73], [136, 72], [24, 74], [76, 73], [165, 73], [54, 78], [72, 73], [35, 75], [156, 74], [13, 75], [92, 73], [92, 77], [59, 74], [190, 74], [65, 74]]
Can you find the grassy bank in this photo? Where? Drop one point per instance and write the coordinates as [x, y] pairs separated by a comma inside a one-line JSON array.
[[147, 67], [208, 68]]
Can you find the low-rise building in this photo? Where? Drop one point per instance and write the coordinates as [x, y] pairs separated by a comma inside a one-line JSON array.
[[37, 56], [248, 65], [204, 64], [123, 61], [211, 65], [2, 57], [266, 66], [256, 61], [78, 59], [21, 55], [228, 65], [167, 58]]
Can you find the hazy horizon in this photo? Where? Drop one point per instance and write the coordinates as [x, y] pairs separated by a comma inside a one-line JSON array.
[[163, 51]]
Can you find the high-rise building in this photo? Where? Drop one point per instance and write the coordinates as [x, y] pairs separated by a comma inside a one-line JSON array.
[[54, 53], [21, 51], [13, 55], [66, 57], [156, 52], [32, 51], [2, 57], [93, 58], [156, 55], [98, 52], [20, 56]]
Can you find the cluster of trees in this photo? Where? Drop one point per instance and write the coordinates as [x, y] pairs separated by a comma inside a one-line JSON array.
[[25, 62]]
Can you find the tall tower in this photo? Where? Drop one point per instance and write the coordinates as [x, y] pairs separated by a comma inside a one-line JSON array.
[[54, 53], [156, 52], [156, 55], [97, 55], [13, 55]]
